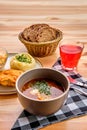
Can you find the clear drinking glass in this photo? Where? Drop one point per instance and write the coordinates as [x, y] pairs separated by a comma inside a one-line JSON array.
[[70, 53]]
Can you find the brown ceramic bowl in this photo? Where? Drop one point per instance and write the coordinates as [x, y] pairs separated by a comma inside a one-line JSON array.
[[41, 49], [41, 107]]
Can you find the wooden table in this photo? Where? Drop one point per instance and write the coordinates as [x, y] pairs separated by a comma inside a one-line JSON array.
[[70, 16]]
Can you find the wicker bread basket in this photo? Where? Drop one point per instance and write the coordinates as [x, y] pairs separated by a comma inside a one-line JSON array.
[[41, 49]]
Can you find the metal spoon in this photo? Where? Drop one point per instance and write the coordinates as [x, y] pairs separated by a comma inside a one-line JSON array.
[[79, 83], [79, 91]]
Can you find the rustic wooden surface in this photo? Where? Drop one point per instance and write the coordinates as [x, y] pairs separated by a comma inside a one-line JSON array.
[[70, 16]]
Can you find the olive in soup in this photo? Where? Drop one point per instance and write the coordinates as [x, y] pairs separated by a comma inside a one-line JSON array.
[[42, 89]]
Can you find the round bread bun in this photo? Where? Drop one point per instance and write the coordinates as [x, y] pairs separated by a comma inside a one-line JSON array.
[[22, 61]]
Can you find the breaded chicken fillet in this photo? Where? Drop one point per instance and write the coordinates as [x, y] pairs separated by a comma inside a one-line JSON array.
[[9, 77]]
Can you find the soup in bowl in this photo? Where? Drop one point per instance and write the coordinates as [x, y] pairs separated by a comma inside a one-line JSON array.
[[42, 91]]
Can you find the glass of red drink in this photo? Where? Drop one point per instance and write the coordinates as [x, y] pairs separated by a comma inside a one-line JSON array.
[[70, 53]]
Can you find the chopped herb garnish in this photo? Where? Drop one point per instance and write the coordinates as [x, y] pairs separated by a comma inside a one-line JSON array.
[[42, 87], [23, 58]]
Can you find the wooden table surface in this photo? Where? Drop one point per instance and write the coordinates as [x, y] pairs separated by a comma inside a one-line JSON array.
[[70, 16]]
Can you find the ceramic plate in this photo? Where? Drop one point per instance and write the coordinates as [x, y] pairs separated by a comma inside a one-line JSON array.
[[11, 90]]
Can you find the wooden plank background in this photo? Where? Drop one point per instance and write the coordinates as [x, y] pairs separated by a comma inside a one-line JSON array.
[[70, 16], [67, 15]]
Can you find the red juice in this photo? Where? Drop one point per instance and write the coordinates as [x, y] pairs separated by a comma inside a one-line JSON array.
[[70, 55]]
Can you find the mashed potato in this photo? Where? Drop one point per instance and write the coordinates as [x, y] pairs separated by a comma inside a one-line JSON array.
[[22, 61]]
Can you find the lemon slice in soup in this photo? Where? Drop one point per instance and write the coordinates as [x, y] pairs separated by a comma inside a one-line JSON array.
[[22, 61]]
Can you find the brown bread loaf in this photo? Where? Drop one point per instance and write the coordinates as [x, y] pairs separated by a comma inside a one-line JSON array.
[[39, 33]]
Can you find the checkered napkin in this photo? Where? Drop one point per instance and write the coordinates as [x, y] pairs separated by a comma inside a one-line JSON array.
[[76, 105]]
